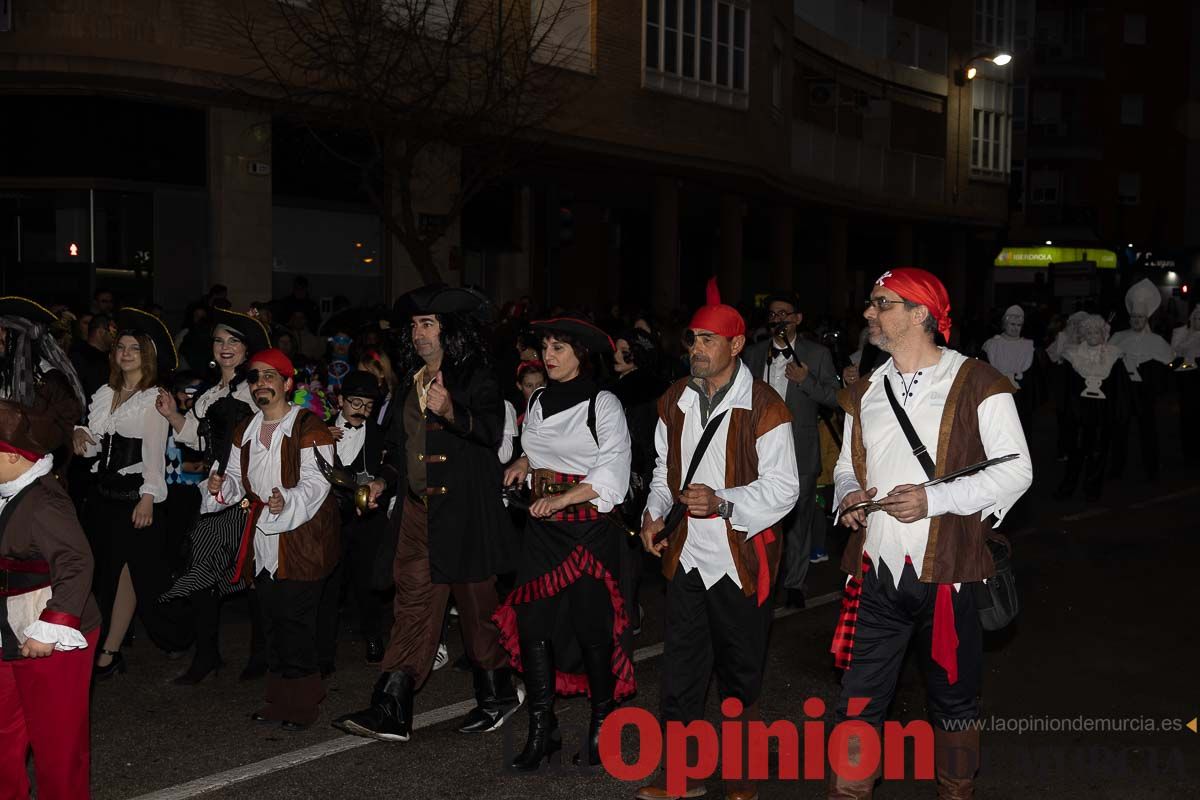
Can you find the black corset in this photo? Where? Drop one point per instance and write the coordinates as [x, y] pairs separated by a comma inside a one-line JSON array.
[[118, 452]]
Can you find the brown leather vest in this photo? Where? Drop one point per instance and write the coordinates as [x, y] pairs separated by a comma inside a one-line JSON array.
[[741, 468], [956, 551], [310, 552]]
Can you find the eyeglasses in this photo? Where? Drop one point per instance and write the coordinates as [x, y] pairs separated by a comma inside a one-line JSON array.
[[881, 303], [358, 404], [779, 314]]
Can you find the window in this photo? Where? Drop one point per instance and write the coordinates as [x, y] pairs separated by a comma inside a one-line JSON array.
[[1044, 188], [1132, 109], [562, 31], [991, 124], [777, 72], [698, 48], [1135, 29], [1020, 94], [1047, 108], [993, 24], [1129, 188]]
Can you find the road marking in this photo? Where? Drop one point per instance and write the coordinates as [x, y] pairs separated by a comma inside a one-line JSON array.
[[341, 744]]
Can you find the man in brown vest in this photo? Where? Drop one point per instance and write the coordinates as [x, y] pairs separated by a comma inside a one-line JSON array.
[[917, 560], [294, 527], [722, 558]]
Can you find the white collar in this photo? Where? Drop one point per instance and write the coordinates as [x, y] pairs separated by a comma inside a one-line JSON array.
[[740, 394], [40, 467], [285, 424]]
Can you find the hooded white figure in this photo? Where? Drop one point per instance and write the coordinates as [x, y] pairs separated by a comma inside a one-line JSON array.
[[1139, 344], [1093, 358], [1068, 337], [1185, 340], [1008, 352]]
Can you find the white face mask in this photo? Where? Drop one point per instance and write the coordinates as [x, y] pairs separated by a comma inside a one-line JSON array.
[[1012, 327], [1137, 322]]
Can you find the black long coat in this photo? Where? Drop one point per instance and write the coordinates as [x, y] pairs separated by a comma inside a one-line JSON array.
[[471, 536]]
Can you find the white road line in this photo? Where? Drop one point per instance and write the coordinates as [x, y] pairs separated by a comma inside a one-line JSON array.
[[222, 780]]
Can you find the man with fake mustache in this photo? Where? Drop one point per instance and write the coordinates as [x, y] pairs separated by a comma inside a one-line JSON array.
[[294, 527]]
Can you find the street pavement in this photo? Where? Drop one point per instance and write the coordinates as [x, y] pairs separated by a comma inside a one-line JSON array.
[[1107, 639]]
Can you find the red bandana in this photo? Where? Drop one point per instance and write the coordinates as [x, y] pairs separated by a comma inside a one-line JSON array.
[[918, 286], [716, 316], [274, 358]]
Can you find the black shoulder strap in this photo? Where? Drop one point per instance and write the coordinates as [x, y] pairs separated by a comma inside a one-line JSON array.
[[591, 418], [914, 441], [709, 431]]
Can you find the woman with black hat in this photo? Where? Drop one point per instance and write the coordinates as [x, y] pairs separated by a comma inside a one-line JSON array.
[[577, 455], [208, 427], [120, 512]]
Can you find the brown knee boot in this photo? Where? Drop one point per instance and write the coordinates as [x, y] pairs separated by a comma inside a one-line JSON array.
[[273, 709], [302, 701], [845, 789], [956, 755]]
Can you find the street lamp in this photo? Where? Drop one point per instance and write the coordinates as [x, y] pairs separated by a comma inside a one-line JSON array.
[[968, 71]]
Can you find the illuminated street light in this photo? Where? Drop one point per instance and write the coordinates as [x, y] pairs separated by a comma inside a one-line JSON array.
[[969, 71]]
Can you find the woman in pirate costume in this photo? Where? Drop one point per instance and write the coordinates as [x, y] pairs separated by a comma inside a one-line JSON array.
[[214, 539], [577, 455], [121, 512], [35, 372]]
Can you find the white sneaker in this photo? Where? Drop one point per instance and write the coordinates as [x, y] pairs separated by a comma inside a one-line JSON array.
[[442, 658], [454, 611]]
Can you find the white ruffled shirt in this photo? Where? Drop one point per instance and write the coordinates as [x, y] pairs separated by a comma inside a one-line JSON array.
[[300, 503], [564, 444], [891, 463], [1013, 357], [756, 506], [136, 418], [61, 636]]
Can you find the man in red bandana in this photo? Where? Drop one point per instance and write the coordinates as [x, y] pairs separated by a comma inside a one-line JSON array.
[[916, 562], [721, 558], [292, 539]]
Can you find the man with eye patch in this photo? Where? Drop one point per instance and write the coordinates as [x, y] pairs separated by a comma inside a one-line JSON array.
[[291, 540]]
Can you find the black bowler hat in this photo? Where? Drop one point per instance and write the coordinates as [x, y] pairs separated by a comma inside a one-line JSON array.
[[134, 320], [13, 306], [361, 383], [583, 331], [247, 328]]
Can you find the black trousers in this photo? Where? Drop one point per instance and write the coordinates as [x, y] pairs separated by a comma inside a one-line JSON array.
[[362, 547], [798, 534], [289, 616], [887, 619], [718, 628]]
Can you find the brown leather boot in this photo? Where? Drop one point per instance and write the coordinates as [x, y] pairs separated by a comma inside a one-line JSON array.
[[302, 701], [844, 789], [956, 756], [272, 710], [658, 790], [744, 788]]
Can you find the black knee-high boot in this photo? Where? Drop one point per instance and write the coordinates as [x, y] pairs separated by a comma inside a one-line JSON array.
[[544, 740], [206, 611], [597, 661]]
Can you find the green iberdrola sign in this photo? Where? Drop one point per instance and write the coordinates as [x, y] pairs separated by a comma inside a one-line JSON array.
[[1045, 256]]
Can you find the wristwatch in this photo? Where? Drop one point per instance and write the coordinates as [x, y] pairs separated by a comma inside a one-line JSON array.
[[725, 509]]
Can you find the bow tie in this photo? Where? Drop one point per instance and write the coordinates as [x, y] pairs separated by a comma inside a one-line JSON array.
[[352, 427], [776, 352]]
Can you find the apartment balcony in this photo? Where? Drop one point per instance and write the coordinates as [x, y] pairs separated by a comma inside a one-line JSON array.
[[880, 171], [878, 35]]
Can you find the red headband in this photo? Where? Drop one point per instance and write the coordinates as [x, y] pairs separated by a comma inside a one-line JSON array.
[[5, 447], [717, 317], [918, 286], [274, 357]]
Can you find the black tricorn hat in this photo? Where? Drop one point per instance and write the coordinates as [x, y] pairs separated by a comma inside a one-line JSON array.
[[361, 383], [14, 306], [438, 298], [247, 328], [134, 320], [588, 334]]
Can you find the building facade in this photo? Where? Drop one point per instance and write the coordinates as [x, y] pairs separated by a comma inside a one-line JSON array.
[[779, 144]]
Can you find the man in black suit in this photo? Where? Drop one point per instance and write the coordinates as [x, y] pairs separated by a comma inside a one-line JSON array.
[[360, 451], [802, 373], [91, 357]]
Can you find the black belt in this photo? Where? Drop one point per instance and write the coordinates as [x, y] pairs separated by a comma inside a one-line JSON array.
[[14, 583]]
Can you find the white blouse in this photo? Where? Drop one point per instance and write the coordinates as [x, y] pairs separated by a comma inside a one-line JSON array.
[[136, 418], [564, 444], [190, 435]]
